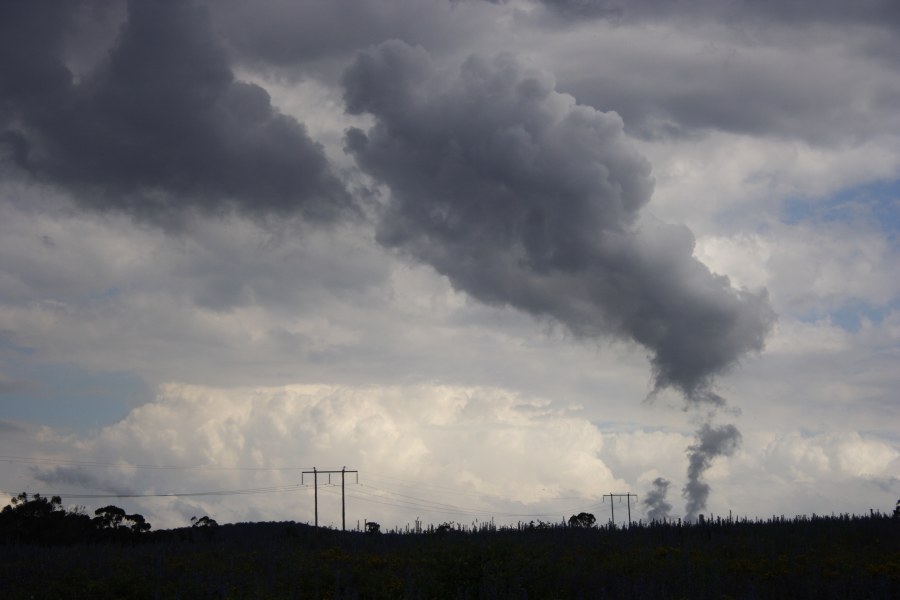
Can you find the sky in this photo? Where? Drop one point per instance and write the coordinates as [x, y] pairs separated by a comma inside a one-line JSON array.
[[500, 258]]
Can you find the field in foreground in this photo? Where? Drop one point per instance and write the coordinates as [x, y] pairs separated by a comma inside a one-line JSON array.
[[825, 557]]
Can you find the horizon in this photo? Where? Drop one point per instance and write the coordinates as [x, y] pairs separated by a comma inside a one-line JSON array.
[[488, 522]]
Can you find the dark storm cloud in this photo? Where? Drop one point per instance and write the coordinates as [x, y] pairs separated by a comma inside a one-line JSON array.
[[31, 43], [523, 198], [307, 35], [10, 385], [679, 95], [819, 71], [585, 8], [10, 428], [880, 12], [655, 500], [160, 125], [81, 478], [710, 443]]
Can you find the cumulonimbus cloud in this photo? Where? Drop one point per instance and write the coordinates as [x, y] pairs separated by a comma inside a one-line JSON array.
[[522, 197]]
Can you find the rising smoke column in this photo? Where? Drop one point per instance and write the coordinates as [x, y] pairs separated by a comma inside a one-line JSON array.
[[655, 500], [710, 443], [522, 197]]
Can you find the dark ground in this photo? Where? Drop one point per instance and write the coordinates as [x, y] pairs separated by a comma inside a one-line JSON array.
[[833, 557]]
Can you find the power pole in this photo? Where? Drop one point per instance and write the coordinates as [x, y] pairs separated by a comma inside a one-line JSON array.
[[612, 509], [315, 473]]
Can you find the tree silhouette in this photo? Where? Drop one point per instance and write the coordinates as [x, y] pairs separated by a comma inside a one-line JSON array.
[[584, 520], [113, 518], [137, 523], [36, 507], [373, 527], [203, 522], [108, 517], [41, 520], [897, 510]]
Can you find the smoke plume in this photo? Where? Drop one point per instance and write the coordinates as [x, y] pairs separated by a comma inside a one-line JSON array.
[[655, 500], [710, 443], [522, 197]]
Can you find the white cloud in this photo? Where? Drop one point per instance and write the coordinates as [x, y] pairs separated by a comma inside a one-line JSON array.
[[727, 184], [435, 452], [810, 270], [495, 451], [233, 304], [843, 455]]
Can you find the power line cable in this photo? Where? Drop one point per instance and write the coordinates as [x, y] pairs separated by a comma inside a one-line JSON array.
[[477, 510], [264, 490], [378, 495], [406, 501], [444, 489], [91, 463]]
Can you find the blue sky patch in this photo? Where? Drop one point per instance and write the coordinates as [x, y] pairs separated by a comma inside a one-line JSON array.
[[70, 397], [876, 202], [850, 316]]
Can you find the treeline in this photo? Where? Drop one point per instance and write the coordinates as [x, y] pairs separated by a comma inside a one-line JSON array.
[[834, 556], [40, 520]]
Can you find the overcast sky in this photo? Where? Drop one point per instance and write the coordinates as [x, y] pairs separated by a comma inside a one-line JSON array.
[[501, 258]]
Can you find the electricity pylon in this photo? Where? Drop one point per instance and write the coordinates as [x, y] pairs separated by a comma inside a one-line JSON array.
[[315, 473], [612, 505]]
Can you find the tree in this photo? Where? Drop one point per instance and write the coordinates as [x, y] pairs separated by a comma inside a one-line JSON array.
[[113, 518], [36, 507], [203, 522], [208, 526], [108, 517], [136, 523], [583, 520], [41, 520], [373, 527], [445, 528], [897, 510]]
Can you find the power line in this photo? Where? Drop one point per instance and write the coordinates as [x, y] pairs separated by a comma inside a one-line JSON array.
[[420, 501], [445, 490], [364, 492], [264, 490], [123, 465], [378, 500], [425, 505], [315, 473], [612, 509], [442, 489]]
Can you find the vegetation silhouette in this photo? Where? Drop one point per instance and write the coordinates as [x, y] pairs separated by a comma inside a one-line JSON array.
[[836, 556], [113, 519], [204, 522], [373, 527], [40, 520], [582, 520]]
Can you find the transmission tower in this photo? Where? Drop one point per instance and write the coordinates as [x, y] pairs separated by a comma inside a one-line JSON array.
[[315, 473], [612, 508]]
